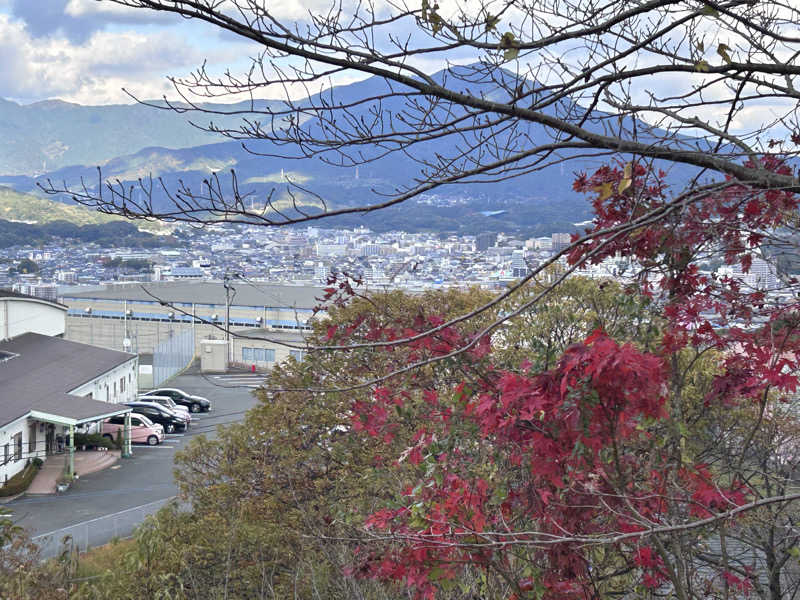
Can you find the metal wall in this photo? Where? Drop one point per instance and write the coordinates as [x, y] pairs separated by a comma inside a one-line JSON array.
[[172, 355]]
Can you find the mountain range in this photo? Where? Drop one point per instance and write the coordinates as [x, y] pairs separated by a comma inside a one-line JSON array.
[[65, 142]]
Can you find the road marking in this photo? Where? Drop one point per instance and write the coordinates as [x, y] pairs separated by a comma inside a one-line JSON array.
[[116, 467], [153, 447], [242, 379], [174, 435]]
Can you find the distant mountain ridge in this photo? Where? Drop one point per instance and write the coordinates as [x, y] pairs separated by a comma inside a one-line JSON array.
[[45, 136], [114, 234], [35, 210], [533, 202]]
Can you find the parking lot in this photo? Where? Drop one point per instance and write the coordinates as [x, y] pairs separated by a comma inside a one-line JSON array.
[[147, 476]]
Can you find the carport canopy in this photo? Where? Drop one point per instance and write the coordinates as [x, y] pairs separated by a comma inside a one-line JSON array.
[[72, 410], [66, 409]]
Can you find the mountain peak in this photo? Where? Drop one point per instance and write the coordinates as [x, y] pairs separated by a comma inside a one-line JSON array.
[[52, 103]]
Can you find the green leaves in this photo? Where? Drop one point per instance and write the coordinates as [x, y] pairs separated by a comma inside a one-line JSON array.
[[627, 178], [709, 11], [702, 66], [722, 50], [509, 46], [491, 22], [604, 190], [431, 17]]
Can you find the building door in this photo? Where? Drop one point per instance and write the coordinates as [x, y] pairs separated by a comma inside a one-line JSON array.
[[50, 439], [32, 439]]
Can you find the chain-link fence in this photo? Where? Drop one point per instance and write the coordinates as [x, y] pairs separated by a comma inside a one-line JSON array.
[[96, 532], [172, 355]]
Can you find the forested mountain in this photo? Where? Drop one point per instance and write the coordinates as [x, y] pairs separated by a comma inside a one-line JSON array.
[[110, 235], [133, 142], [44, 136]]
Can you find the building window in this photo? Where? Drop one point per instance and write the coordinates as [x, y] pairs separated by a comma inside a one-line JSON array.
[[121, 385], [17, 441], [297, 355], [6, 454], [258, 355]]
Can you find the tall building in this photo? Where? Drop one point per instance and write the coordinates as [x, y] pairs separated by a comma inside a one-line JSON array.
[[762, 274], [484, 241], [66, 276], [370, 250], [519, 267], [321, 273], [560, 241], [48, 291]]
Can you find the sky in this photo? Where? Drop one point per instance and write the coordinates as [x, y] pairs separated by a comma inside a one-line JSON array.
[[86, 51]]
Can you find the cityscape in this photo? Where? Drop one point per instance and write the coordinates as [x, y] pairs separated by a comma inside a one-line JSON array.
[[306, 257]]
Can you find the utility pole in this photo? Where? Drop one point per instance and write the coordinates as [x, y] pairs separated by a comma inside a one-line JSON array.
[[228, 289]]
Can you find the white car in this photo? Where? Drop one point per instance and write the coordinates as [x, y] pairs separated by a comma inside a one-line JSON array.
[[169, 403]]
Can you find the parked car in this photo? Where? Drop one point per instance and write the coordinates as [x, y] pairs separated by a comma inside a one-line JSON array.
[[160, 414], [193, 403], [143, 430], [169, 403]]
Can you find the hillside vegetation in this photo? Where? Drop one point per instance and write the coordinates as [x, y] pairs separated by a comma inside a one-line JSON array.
[[28, 208], [31, 209], [115, 234]]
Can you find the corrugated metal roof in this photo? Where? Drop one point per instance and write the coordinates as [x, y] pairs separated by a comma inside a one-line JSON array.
[[210, 292], [45, 370]]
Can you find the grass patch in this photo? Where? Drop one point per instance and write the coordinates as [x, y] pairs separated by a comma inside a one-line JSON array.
[[101, 560], [20, 482]]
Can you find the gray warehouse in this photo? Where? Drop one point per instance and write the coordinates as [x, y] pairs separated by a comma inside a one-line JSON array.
[[146, 318]]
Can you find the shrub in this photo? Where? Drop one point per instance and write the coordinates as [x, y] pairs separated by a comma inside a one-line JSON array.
[[95, 440], [20, 482]]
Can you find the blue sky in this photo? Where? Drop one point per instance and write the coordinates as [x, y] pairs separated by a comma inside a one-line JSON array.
[[86, 51]]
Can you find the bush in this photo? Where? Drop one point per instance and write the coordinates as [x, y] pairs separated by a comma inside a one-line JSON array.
[[38, 462], [92, 440], [20, 482]]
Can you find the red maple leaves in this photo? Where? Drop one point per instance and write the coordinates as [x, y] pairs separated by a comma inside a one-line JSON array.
[[559, 462]]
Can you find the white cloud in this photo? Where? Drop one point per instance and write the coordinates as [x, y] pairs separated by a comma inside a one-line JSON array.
[[282, 9], [92, 72], [81, 8]]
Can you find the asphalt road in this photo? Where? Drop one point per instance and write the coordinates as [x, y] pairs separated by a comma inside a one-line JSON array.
[[147, 476]]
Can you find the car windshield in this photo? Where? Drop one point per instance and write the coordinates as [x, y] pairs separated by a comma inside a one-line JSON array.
[[144, 420]]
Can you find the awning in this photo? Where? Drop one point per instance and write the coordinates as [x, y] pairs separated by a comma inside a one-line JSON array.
[[66, 409]]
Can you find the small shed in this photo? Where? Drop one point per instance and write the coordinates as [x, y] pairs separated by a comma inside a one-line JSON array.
[[213, 356]]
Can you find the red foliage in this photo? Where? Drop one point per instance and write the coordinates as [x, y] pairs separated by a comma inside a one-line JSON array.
[[571, 437]]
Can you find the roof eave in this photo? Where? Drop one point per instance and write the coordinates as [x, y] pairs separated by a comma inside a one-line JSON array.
[[62, 420]]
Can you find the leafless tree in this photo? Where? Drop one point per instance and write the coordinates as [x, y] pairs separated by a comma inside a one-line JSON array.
[[527, 84]]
